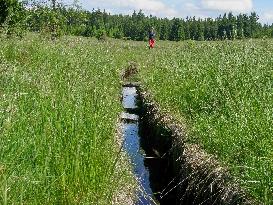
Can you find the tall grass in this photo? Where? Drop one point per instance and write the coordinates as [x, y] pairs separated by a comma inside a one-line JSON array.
[[58, 112], [59, 102], [224, 91]]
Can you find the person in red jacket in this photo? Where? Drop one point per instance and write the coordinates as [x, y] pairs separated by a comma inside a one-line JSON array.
[[151, 38]]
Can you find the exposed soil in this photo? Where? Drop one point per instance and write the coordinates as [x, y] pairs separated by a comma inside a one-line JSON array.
[[191, 176]]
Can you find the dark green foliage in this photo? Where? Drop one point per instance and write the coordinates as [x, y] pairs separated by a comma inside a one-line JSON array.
[[12, 15], [57, 19], [101, 35], [137, 25], [47, 18], [3, 10], [177, 30]]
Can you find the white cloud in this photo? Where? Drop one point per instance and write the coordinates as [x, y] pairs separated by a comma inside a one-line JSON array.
[[154, 7], [228, 5], [190, 6], [192, 9], [267, 17], [174, 8]]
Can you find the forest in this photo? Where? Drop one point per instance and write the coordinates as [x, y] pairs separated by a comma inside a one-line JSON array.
[[17, 17]]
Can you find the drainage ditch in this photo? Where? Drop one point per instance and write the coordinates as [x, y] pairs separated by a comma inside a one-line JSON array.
[[150, 164], [132, 144], [168, 170]]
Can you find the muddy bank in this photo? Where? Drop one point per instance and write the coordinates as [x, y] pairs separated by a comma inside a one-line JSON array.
[[188, 175]]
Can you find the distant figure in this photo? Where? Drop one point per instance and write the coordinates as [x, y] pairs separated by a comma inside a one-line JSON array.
[[151, 38]]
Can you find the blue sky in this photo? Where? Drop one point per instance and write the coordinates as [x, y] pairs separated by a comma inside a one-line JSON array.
[[183, 8]]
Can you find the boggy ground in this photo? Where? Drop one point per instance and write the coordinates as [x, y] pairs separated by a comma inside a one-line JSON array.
[[60, 103], [183, 173], [222, 92]]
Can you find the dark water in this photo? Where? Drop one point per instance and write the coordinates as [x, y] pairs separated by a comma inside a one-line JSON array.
[[137, 156], [150, 148], [132, 146]]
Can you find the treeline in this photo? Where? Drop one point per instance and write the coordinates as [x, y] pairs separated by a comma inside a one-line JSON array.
[[59, 19]]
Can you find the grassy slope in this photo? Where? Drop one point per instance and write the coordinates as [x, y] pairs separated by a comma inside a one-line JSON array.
[[58, 112], [224, 91]]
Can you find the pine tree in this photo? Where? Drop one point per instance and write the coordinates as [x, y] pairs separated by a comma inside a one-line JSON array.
[[231, 28], [240, 26], [200, 30], [246, 26], [177, 31], [164, 30], [254, 25], [187, 29]]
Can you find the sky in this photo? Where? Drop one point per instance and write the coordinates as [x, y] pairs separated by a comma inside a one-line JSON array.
[[184, 8]]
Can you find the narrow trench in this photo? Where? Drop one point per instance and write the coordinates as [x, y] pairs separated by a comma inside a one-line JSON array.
[[150, 162], [168, 172], [164, 173]]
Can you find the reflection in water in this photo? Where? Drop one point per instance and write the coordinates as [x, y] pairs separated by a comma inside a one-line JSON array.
[[132, 146], [129, 97]]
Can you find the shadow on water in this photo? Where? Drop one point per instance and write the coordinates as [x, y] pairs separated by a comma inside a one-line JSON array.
[[130, 127], [151, 165], [136, 154], [161, 174]]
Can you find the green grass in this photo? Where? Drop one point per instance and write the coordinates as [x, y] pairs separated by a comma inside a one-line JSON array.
[[224, 91], [59, 104], [58, 114]]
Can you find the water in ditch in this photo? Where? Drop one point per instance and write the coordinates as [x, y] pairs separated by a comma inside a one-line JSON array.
[[132, 146], [153, 155]]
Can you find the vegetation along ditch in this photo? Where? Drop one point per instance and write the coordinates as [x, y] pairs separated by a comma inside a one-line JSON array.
[[58, 137], [184, 173], [169, 170], [132, 144]]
